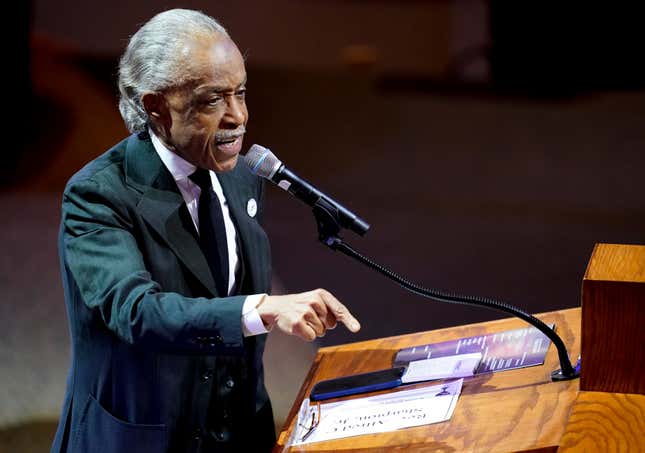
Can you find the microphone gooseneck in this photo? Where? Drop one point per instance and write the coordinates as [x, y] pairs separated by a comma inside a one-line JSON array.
[[566, 371], [331, 217]]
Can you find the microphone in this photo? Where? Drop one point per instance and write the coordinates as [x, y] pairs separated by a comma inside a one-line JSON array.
[[262, 162]]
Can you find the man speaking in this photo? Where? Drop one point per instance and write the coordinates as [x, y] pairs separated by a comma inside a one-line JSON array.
[[165, 265]]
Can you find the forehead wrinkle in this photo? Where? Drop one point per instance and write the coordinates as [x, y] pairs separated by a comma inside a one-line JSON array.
[[218, 88]]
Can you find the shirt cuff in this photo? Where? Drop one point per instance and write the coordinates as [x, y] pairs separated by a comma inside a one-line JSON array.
[[251, 322]]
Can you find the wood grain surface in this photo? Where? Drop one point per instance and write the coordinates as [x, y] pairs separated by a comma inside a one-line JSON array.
[[605, 422], [515, 410], [617, 262]]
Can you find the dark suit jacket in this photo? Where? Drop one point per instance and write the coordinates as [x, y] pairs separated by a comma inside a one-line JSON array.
[[159, 361]]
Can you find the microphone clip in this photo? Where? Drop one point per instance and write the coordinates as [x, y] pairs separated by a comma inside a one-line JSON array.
[[328, 223]]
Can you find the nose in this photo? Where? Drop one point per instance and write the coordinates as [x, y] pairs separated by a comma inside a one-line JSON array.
[[236, 112]]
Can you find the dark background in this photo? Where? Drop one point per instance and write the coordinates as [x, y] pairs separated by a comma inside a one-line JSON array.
[[489, 144]]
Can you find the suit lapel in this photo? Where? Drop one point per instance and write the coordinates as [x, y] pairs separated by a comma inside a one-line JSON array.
[[234, 198], [252, 237], [163, 207]]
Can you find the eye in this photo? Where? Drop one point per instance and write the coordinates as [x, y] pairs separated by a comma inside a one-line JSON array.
[[215, 100], [241, 93]]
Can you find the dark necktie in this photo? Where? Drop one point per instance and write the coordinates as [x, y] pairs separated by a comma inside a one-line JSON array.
[[212, 233]]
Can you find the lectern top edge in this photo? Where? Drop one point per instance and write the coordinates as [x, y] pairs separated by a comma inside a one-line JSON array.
[[616, 262]]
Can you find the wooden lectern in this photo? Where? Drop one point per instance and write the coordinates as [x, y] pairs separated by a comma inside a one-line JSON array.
[[523, 410]]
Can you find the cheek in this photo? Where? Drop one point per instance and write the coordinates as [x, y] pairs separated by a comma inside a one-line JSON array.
[[197, 128], [206, 122]]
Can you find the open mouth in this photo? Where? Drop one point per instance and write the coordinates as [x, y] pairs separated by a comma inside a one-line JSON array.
[[232, 145], [227, 140]]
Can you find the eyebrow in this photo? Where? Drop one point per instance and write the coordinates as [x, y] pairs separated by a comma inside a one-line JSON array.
[[219, 88]]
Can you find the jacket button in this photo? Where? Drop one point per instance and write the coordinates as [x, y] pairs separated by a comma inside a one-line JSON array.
[[225, 414], [219, 435], [230, 383], [197, 435], [207, 375]]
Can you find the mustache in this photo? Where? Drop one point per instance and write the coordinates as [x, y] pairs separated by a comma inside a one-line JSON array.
[[221, 136]]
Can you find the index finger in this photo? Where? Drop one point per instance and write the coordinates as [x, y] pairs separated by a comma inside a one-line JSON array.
[[340, 312]]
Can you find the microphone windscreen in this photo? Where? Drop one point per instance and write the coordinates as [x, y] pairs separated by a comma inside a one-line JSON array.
[[262, 161]]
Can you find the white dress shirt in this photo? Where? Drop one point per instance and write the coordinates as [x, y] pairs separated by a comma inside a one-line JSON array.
[[181, 170]]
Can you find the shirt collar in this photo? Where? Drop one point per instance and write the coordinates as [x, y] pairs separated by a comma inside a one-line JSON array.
[[179, 167]]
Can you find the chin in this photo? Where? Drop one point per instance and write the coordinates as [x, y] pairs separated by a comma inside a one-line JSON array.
[[226, 165]]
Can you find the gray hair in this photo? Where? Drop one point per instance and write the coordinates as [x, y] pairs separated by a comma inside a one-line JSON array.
[[154, 59]]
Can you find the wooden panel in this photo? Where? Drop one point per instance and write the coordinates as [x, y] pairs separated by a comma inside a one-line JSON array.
[[613, 316], [617, 262], [517, 410], [607, 422]]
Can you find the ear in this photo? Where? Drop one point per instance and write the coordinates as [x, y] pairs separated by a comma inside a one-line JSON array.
[[157, 110]]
